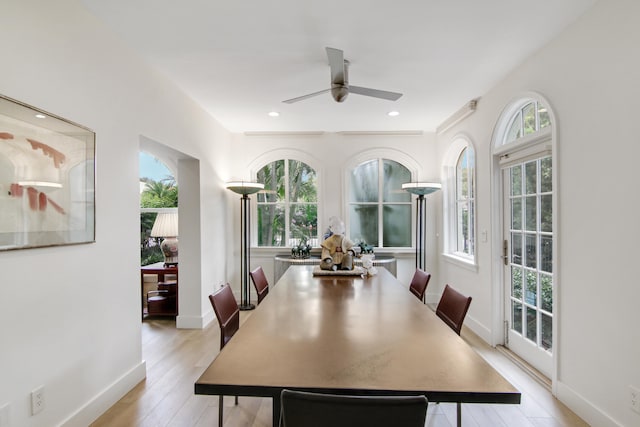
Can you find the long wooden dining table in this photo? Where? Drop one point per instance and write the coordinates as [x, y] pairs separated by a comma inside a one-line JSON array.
[[350, 335]]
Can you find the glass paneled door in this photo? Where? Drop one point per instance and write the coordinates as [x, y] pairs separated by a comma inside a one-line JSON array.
[[528, 251]]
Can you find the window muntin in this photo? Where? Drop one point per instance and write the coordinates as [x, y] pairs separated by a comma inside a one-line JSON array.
[[532, 250], [288, 207], [379, 210], [465, 203]]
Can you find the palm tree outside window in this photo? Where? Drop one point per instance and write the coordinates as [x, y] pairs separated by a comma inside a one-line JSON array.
[[287, 208]]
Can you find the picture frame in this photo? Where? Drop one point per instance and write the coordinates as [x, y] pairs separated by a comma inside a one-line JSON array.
[[47, 179]]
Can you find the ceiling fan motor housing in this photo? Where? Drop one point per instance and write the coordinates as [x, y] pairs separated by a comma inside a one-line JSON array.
[[339, 92]]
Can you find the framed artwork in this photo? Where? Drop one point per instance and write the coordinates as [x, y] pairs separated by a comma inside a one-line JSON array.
[[47, 179]]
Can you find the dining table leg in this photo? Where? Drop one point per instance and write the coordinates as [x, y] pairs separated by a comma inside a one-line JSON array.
[[459, 410], [276, 410]]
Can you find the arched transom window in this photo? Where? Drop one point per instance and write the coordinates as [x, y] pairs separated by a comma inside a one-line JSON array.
[[528, 120]]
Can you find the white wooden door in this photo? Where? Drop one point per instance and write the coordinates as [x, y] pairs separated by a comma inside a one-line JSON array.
[[528, 245]]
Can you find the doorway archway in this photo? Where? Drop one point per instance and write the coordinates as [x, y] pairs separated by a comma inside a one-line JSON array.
[[525, 220], [187, 172]]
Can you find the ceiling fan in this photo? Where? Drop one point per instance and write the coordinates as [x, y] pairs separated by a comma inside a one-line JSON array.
[[340, 87]]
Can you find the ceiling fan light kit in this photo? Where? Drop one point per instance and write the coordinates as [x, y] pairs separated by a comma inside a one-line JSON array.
[[340, 87]]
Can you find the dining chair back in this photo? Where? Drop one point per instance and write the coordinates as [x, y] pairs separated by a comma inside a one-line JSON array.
[[228, 313], [260, 283], [226, 308], [452, 308], [303, 409], [419, 283]]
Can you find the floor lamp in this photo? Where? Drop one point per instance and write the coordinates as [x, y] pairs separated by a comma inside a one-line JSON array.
[[244, 189], [420, 189]]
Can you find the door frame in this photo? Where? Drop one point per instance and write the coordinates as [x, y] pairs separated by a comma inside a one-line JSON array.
[[497, 222]]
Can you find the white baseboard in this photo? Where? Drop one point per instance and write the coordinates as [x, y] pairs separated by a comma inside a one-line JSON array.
[[469, 322], [208, 318], [583, 408], [107, 398], [478, 328], [195, 322], [190, 322]]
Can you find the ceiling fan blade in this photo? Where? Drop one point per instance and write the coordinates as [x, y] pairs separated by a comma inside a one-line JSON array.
[[336, 62], [376, 93], [303, 97]]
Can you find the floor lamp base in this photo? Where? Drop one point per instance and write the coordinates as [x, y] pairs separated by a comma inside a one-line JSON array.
[[246, 307]]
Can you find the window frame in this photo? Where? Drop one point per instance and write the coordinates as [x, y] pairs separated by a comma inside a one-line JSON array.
[[459, 144], [287, 204], [468, 199], [380, 157]]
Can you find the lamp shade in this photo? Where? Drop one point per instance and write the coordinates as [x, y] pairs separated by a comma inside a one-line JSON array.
[[244, 187], [421, 188], [166, 225]]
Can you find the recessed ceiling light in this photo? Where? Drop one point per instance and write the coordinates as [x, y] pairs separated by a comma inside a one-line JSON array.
[[393, 113], [41, 116], [273, 114]]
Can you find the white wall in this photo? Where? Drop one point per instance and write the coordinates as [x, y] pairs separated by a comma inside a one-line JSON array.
[[589, 74], [70, 316]]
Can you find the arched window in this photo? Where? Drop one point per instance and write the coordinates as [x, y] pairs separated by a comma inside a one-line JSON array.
[[465, 203], [288, 206], [460, 194], [379, 210]]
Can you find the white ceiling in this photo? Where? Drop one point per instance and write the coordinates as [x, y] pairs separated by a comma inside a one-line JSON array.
[[240, 59]]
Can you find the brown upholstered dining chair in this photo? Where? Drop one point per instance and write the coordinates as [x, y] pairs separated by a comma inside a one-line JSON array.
[[260, 283], [226, 308], [419, 283], [452, 308], [303, 409]]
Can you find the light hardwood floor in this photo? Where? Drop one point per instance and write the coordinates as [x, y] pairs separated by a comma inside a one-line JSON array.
[[177, 357]]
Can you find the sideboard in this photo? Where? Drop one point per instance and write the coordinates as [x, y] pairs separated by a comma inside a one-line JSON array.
[[282, 262]]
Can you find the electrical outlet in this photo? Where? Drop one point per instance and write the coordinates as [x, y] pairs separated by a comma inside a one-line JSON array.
[[4, 415], [634, 398], [37, 400]]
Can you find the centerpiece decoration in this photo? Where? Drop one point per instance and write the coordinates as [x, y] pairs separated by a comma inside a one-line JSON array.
[[337, 251], [302, 250], [363, 248], [367, 265]]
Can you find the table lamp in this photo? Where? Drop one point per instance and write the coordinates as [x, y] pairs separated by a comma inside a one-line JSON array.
[[244, 188], [166, 225]]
